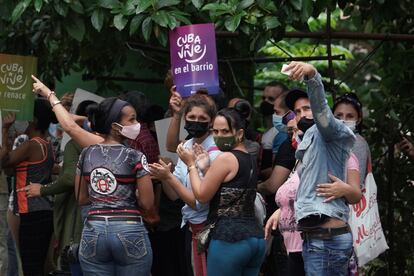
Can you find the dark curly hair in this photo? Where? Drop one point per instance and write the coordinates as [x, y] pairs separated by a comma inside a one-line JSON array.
[[44, 114]]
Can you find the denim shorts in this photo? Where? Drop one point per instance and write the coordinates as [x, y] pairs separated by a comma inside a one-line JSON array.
[[115, 248]]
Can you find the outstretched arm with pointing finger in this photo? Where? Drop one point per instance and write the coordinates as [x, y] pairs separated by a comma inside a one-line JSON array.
[[81, 136]]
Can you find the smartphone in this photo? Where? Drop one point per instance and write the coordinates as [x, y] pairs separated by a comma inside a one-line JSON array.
[[290, 115]]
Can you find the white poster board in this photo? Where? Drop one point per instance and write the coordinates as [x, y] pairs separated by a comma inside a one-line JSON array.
[[83, 95], [80, 96], [161, 128]]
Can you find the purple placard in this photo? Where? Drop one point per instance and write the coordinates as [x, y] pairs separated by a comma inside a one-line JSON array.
[[194, 59]]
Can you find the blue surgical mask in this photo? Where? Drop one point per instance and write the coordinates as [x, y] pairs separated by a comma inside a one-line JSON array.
[[277, 123]]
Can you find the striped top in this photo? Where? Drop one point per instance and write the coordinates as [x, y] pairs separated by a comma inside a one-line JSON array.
[[36, 172]]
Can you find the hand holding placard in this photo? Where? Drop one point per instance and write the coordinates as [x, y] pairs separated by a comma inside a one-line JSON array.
[[176, 101]]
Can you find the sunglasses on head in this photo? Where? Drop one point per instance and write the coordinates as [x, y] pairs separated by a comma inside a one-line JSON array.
[[350, 98], [290, 115]]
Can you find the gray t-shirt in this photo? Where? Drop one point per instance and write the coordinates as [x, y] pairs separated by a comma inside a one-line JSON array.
[[111, 172]]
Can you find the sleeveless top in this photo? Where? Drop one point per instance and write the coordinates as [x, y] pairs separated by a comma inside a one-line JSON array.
[[111, 171], [36, 172], [232, 207]]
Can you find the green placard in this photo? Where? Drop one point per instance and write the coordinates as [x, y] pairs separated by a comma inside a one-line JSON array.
[[16, 85]]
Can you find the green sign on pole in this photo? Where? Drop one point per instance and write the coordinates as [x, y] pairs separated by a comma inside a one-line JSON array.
[[16, 85]]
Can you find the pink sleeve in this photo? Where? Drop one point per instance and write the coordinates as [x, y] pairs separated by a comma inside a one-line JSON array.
[[353, 163]]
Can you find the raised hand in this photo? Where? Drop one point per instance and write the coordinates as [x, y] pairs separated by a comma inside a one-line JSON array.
[[176, 101], [40, 88], [298, 70]]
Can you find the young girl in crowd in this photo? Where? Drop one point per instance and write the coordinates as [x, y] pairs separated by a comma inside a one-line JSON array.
[[237, 246], [115, 180], [33, 161], [199, 112]]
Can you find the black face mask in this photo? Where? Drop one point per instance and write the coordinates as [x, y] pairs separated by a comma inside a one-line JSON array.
[[266, 108], [196, 129], [304, 124]]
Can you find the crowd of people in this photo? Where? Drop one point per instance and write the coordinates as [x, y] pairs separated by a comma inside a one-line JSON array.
[[111, 205]]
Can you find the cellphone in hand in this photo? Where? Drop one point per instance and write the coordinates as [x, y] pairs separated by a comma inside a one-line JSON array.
[[290, 115]]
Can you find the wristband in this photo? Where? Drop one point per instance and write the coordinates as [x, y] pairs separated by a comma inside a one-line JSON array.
[[50, 94], [55, 103]]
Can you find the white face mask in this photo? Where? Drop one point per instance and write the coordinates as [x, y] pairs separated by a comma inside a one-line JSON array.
[[351, 125], [21, 126], [131, 131]]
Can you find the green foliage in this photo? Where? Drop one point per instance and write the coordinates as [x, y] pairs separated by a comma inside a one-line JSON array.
[[91, 35], [83, 23], [300, 48], [390, 101]]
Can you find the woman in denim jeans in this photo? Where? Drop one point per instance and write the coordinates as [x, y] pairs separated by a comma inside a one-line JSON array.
[[324, 145], [115, 180]]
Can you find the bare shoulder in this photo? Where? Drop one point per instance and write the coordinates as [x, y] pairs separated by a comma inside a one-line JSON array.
[[225, 159], [226, 156], [30, 144]]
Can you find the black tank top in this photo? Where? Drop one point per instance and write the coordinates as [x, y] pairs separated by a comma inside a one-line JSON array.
[[36, 172], [232, 207]]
